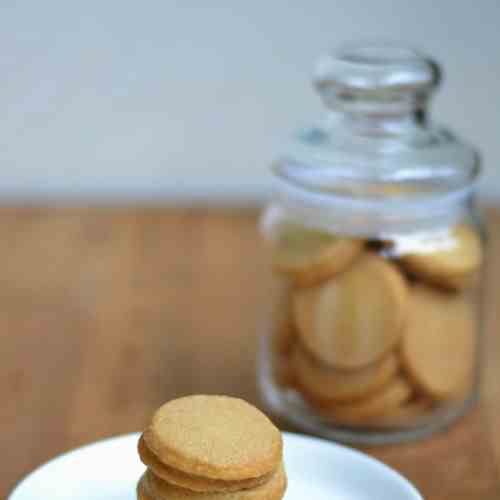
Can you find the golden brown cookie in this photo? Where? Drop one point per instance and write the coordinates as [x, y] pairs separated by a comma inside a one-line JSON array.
[[354, 319], [407, 413], [190, 482], [215, 437], [438, 345], [312, 256], [391, 396], [457, 256], [330, 385], [274, 489]]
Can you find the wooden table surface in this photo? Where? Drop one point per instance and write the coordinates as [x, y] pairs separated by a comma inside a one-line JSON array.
[[108, 313]]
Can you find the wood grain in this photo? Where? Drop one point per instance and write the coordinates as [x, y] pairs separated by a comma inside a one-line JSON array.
[[108, 313]]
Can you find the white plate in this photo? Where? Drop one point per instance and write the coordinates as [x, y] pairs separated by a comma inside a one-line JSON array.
[[317, 469]]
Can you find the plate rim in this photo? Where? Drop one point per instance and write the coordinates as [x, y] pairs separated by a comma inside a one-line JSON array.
[[410, 488], [364, 457]]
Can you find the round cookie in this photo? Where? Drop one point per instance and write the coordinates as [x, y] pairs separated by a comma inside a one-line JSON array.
[[438, 345], [312, 256], [273, 489], [406, 414], [190, 482], [392, 396], [356, 318], [215, 437], [452, 265], [329, 385]]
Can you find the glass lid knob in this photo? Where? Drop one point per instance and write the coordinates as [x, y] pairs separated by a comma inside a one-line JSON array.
[[359, 74]]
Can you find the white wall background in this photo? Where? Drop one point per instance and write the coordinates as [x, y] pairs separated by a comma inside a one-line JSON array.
[[168, 101]]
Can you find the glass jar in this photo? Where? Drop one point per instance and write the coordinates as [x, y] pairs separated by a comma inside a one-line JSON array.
[[378, 251]]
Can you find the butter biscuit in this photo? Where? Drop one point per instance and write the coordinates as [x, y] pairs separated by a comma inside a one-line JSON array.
[[438, 346], [453, 263], [356, 318], [273, 489], [331, 385], [215, 437], [190, 482], [311, 256]]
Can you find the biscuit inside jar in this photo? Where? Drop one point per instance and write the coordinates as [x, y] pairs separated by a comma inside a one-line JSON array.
[[390, 397], [448, 258], [326, 385], [438, 344], [310, 256], [354, 319]]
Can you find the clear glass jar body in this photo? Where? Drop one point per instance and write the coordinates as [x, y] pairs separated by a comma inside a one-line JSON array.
[[374, 335], [326, 363]]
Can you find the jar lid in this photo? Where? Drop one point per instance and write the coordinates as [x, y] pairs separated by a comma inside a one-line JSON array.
[[376, 147]]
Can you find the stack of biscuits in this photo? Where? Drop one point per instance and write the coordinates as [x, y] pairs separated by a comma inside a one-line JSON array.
[[211, 448], [377, 331]]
